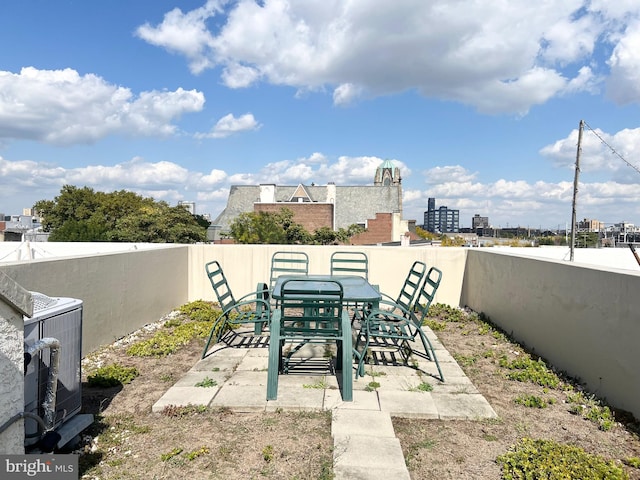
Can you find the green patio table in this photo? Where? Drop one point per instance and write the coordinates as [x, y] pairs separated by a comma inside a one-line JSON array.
[[354, 289]]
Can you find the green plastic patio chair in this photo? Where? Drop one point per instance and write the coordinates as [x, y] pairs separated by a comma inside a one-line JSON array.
[[405, 297], [390, 331], [350, 263], [310, 312], [287, 263], [251, 308]]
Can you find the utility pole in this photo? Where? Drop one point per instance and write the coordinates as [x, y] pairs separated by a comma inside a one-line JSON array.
[[575, 191]]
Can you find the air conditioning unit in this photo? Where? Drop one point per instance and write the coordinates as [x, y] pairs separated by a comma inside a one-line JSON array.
[[61, 319]]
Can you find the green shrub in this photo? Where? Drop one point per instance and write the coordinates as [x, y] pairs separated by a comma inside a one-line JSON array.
[[167, 341], [546, 459], [200, 311], [526, 369], [446, 313], [591, 408], [532, 401], [112, 376]]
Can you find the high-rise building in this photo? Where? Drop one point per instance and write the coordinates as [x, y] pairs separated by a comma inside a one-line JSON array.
[[479, 222], [441, 220]]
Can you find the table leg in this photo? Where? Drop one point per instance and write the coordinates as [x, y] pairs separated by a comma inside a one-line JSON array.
[[274, 357], [347, 358]]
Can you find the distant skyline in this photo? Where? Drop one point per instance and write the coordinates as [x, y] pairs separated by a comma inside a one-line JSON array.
[[478, 103]]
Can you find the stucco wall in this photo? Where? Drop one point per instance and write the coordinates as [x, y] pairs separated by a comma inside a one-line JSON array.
[[120, 291], [246, 265], [14, 302], [584, 320]]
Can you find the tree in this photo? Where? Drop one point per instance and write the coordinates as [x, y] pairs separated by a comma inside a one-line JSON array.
[[425, 234], [456, 241], [260, 227], [81, 214], [325, 236], [279, 227]]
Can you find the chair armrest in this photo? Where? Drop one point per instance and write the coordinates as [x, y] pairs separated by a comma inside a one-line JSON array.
[[259, 294], [387, 300], [262, 306], [386, 316]]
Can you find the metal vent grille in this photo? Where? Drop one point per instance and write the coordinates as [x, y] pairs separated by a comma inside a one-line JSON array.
[[41, 301]]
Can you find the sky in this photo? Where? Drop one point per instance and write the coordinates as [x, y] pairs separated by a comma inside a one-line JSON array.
[[478, 103]]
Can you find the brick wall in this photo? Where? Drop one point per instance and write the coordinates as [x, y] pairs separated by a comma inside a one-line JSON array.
[[378, 231], [310, 215]]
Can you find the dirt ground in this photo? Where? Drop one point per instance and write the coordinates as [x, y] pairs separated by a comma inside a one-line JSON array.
[[128, 441]]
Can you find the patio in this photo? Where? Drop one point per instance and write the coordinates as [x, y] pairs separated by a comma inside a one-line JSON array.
[[236, 373]]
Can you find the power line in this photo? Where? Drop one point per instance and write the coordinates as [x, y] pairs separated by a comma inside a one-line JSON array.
[[613, 150]]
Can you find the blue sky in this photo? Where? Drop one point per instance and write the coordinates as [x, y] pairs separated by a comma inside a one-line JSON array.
[[478, 103]]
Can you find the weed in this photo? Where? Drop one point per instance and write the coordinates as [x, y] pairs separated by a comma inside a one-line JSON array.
[[447, 313], [633, 462], [422, 387], [169, 455], [165, 342], [371, 386], [532, 401], [484, 328], [465, 360], [200, 311], [319, 384], [112, 375], [206, 382], [174, 322], [204, 450], [267, 453], [526, 369], [548, 459], [590, 408], [178, 411], [434, 325]]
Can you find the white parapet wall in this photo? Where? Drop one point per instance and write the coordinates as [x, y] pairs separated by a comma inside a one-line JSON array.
[[582, 319], [246, 265], [120, 291]]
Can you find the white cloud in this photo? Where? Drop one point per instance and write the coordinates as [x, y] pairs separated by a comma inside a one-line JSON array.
[[346, 93], [450, 173], [185, 34], [214, 177], [623, 86], [595, 155], [314, 158], [494, 56], [63, 107], [229, 125], [504, 201]]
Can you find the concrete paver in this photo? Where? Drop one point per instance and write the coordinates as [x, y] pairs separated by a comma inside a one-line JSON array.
[[365, 446]]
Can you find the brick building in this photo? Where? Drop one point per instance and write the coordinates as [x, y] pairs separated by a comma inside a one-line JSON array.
[[376, 207]]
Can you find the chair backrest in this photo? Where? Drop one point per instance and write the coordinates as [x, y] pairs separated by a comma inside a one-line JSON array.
[[427, 293], [411, 285], [288, 263], [311, 309], [343, 263], [220, 285]]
